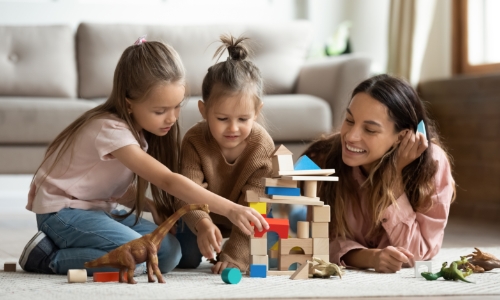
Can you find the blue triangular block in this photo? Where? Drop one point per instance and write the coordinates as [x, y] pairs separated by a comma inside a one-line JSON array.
[[421, 128], [305, 163]]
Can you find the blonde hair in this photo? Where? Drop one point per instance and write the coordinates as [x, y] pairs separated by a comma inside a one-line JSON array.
[[140, 68]]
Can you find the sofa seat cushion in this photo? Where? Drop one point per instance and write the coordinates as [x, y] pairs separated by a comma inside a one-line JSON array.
[[287, 117], [37, 120]]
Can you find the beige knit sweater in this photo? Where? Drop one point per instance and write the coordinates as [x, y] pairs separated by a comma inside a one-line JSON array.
[[202, 161]]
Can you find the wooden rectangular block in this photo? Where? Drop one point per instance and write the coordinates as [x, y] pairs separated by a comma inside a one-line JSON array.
[[10, 267], [259, 260], [292, 200], [260, 207], [319, 230], [286, 245], [321, 213], [282, 163], [282, 191], [258, 271], [321, 246], [258, 246], [279, 182], [285, 261], [106, 276]]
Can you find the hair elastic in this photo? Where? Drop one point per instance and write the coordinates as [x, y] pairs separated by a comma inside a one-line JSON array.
[[141, 40]]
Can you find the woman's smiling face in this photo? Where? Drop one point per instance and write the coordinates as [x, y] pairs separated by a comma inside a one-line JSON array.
[[367, 132]]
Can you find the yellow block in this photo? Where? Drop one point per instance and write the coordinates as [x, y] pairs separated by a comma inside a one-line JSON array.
[[261, 207]]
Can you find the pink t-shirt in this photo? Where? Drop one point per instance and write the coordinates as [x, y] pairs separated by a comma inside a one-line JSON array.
[[93, 179], [421, 233]]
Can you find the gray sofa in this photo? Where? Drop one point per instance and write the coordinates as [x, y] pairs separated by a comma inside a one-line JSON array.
[[49, 75]]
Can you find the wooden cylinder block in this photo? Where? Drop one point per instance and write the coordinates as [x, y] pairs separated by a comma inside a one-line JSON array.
[[77, 276], [310, 188], [303, 229]]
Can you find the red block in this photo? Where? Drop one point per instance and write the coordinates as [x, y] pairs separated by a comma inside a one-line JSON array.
[[106, 276], [280, 226]]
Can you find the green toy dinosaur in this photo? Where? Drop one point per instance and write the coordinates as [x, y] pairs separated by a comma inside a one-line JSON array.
[[452, 272]]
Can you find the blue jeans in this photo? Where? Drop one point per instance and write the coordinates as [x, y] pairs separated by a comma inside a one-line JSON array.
[[84, 235]]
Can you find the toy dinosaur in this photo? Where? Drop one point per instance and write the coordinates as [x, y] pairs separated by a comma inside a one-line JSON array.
[[324, 269], [450, 273], [143, 249], [483, 260]]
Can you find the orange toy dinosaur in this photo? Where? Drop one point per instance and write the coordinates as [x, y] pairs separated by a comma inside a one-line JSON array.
[[143, 249]]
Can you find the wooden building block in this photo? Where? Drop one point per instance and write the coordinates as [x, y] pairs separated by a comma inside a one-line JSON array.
[[285, 261], [258, 271], [273, 253], [292, 200], [321, 246], [106, 276], [280, 226], [320, 214], [281, 164], [282, 197], [322, 172], [310, 178], [258, 246], [260, 207], [282, 191], [9, 267], [259, 260], [302, 229], [310, 188], [77, 276], [305, 163], [251, 196], [279, 182], [286, 245], [231, 275], [319, 230], [279, 273], [302, 272]]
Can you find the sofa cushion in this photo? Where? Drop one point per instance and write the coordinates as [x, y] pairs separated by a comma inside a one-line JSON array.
[[37, 61], [278, 50], [286, 117], [37, 120]]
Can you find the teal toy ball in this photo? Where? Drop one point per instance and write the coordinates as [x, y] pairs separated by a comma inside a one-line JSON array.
[[231, 275]]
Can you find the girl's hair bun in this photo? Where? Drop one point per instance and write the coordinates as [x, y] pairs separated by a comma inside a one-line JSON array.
[[235, 47]]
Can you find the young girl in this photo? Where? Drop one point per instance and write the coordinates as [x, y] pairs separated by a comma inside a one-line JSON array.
[[391, 204], [108, 156], [228, 153]]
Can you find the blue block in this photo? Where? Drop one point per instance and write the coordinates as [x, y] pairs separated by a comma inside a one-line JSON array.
[[258, 271], [305, 163], [421, 128], [282, 191]]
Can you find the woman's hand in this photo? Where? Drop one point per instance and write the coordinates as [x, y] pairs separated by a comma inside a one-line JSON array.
[[410, 148], [391, 259], [209, 238], [243, 216], [221, 265]]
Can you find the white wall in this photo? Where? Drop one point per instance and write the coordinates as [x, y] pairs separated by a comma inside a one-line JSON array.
[[28, 12]]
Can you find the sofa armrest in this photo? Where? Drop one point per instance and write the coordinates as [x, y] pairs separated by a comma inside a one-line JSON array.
[[333, 79]]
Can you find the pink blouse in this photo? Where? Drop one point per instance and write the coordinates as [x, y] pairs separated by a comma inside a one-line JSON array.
[[421, 233]]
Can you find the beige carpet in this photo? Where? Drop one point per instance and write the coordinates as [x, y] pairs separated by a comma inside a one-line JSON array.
[[200, 284]]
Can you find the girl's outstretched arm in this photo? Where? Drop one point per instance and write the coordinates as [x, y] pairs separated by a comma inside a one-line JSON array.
[[145, 166]]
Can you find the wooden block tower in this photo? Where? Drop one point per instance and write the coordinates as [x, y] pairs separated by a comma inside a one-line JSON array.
[[283, 188]]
